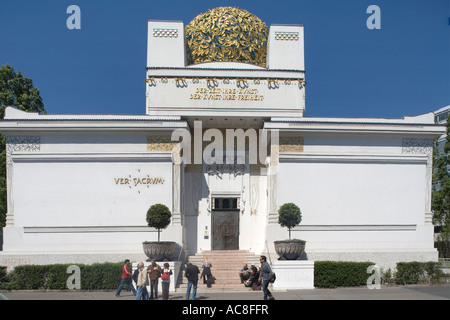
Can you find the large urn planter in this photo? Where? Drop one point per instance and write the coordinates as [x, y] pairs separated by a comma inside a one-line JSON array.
[[158, 217], [290, 249], [159, 251], [289, 215]]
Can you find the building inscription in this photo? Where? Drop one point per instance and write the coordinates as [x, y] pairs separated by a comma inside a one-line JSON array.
[[134, 182], [239, 94]]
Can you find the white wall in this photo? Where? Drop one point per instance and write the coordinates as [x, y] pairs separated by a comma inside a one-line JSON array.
[[89, 193], [354, 193]]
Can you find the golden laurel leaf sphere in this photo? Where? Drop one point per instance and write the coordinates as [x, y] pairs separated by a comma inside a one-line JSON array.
[[227, 34]]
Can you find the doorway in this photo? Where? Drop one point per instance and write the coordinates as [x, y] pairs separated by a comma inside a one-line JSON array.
[[225, 224]]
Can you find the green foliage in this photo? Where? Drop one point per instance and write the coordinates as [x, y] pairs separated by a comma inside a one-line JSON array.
[[158, 217], [100, 276], [106, 276], [443, 246], [18, 91], [418, 272], [441, 191], [289, 215], [332, 274], [2, 275]]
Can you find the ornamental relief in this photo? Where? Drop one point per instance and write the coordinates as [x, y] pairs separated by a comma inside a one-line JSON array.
[[291, 144], [219, 169], [165, 33], [21, 144], [210, 85], [290, 36], [419, 146], [160, 143]]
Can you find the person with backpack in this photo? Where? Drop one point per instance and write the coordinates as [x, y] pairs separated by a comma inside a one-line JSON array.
[[266, 275]]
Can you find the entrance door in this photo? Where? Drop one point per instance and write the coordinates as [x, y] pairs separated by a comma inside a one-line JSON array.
[[225, 224]]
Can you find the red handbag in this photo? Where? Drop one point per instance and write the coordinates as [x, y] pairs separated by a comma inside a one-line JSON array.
[[165, 276]]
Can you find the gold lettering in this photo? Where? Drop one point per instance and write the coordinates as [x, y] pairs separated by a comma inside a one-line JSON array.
[[201, 90], [241, 94], [137, 181]]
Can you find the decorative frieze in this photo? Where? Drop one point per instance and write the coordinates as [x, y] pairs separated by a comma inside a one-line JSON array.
[[291, 144], [17, 144], [165, 33], [21, 144], [289, 36], [417, 146], [160, 143], [211, 85], [220, 169]]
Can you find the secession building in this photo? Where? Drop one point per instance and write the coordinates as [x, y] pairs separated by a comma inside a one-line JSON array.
[[79, 186]]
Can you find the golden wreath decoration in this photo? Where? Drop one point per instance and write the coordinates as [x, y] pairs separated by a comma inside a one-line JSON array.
[[227, 34]]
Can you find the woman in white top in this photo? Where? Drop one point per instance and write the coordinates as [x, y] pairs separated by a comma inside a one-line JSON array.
[[206, 273], [165, 281]]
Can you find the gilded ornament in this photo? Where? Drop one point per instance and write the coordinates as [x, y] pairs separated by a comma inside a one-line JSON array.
[[227, 34]]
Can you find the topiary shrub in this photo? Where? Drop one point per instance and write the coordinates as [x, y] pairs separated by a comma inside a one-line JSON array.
[[289, 215], [158, 217]]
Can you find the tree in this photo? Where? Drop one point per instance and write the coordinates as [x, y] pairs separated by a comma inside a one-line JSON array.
[[289, 215], [158, 216], [17, 91], [441, 190]]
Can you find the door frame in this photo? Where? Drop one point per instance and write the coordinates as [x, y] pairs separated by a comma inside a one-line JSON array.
[[234, 210]]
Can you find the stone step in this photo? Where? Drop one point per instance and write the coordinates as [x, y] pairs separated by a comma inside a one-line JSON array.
[[203, 289], [225, 266]]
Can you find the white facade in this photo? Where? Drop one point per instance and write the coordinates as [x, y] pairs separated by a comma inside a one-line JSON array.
[[79, 187]]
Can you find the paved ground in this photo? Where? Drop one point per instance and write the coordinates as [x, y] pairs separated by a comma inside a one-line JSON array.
[[441, 292]]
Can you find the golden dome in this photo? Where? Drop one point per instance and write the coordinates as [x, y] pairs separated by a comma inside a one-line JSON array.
[[227, 34]]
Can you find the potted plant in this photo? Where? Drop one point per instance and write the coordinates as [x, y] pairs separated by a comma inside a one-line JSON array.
[[158, 217], [289, 215]]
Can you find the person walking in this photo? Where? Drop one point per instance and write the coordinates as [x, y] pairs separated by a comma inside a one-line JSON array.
[[265, 274], [126, 279], [206, 272], [191, 274], [135, 276], [142, 283], [154, 273], [165, 281]]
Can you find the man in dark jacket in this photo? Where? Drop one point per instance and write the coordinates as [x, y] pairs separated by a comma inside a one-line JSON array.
[[266, 274], [191, 274]]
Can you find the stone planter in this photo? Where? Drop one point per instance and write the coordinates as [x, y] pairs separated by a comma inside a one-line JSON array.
[[159, 251], [290, 249]]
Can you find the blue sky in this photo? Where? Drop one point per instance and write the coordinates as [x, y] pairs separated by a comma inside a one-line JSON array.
[[399, 70]]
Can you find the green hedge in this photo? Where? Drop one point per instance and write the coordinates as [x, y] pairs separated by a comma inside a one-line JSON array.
[[332, 274], [2, 275], [418, 272], [100, 276], [106, 276]]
